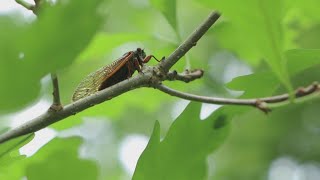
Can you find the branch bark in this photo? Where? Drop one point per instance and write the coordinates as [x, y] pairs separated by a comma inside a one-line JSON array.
[[189, 42], [56, 105], [264, 104], [51, 117], [186, 76]]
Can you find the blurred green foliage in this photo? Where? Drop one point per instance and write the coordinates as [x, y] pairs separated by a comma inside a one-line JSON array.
[[50, 43], [187, 135], [64, 163], [9, 151], [276, 40]]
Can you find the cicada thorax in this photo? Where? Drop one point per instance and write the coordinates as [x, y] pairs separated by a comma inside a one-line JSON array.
[[122, 71], [109, 75]]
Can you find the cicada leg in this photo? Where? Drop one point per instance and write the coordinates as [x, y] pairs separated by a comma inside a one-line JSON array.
[[137, 65], [147, 59]]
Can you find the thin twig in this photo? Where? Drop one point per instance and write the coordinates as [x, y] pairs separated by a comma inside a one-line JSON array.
[[189, 42], [25, 4], [37, 6], [186, 76], [56, 105], [205, 99], [265, 104]]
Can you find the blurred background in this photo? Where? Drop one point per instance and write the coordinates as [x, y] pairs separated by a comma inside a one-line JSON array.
[[105, 141]]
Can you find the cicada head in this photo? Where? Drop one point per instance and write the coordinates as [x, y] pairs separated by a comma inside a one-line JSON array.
[[140, 54]]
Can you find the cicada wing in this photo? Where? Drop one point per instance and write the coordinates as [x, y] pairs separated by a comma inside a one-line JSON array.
[[90, 84]]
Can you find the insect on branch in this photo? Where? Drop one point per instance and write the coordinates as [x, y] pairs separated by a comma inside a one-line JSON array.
[[140, 80]]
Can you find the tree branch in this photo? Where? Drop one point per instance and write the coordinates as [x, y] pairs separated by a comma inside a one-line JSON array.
[[186, 76], [264, 104], [189, 42], [36, 8], [25, 5], [56, 105], [51, 117]]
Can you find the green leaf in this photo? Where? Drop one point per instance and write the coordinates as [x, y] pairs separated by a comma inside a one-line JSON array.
[[60, 155], [15, 79], [260, 84], [29, 51], [307, 7], [302, 26], [103, 42], [308, 37], [183, 152], [253, 30], [69, 122], [61, 33], [9, 151], [263, 84], [168, 8], [301, 59]]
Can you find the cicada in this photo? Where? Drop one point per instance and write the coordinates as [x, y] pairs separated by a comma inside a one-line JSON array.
[[119, 70]]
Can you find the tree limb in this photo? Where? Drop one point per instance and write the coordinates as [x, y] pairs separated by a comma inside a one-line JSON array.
[[51, 117], [189, 42], [264, 104]]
